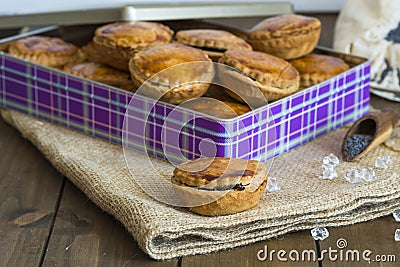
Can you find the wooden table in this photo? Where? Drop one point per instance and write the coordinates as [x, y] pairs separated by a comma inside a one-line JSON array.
[[46, 221]]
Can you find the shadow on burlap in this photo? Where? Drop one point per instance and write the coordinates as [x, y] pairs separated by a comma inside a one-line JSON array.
[[98, 168]]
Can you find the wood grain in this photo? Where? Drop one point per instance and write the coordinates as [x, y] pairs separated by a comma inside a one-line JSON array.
[[83, 235], [376, 236], [247, 256], [29, 187]]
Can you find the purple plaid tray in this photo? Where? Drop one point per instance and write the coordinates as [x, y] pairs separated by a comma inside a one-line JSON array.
[[98, 110]]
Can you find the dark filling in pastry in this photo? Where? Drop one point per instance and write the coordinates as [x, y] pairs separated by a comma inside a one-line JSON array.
[[210, 177], [239, 187], [210, 49]]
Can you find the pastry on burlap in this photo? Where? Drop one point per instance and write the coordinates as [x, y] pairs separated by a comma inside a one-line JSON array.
[[98, 168]]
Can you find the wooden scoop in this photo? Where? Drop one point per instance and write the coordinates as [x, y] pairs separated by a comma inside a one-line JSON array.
[[378, 125]]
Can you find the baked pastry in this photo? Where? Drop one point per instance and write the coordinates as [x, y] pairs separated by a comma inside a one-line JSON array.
[[170, 79], [213, 42], [91, 54], [101, 73], [315, 68], [275, 77], [4, 46], [219, 186], [48, 51], [287, 36], [222, 109], [117, 43]]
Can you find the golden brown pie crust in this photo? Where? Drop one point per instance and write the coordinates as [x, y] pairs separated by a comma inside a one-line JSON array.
[[116, 43], [215, 40], [232, 202], [275, 77], [101, 73], [48, 51], [316, 68], [239, 183], [223, 109], [287, 36], [95, 53], [151, 61]]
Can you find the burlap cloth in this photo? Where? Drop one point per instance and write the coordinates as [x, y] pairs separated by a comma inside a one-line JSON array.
[[98, 168]]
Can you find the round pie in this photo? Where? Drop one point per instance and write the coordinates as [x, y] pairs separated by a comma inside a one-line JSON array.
[[316, 68], [287, 36], [212, 42], [116, 43], [173, 72], [48, 51], [219, 186], [222, 109], [101, 73], [275, 77]]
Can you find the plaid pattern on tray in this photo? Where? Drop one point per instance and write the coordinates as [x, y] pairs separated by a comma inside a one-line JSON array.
[[165, 131]]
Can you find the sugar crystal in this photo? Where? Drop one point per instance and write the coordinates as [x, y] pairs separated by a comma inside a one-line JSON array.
[[388, 160], [397, 235], [383, 162], [331, 159], [319, 233], [353, 176], [396, 215], [368, 175], [273, 185], [329, 172]]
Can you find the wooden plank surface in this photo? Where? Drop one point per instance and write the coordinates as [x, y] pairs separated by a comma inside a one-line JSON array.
[[83, 235], [259, 254], [29, 189], [349, 245]]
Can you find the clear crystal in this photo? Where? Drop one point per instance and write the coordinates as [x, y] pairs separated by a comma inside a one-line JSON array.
[[273, 185], [353, 176], [368, 175], [383, 162], [397, 235], [331, 159], [396, 215], [328, 171], [319, 233], [380, 164], [388, 160]]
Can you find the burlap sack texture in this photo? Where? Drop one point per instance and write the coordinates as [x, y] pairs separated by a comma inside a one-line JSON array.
[[305, 201]]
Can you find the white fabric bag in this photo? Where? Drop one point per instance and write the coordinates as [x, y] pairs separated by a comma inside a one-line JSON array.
[[371, 29]]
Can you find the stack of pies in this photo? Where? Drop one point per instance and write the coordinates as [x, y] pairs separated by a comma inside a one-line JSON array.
[[130, 54]]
